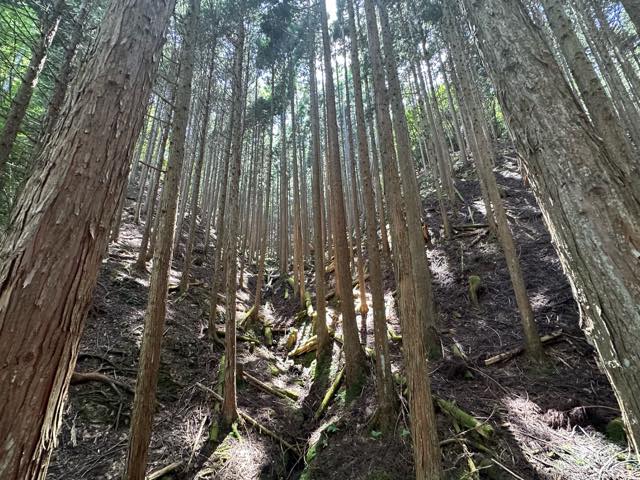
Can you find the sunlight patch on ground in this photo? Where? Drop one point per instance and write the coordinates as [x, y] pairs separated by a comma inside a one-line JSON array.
[[572, 451]]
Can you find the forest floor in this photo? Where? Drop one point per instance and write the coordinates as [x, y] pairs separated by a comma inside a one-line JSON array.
[[549, 422]]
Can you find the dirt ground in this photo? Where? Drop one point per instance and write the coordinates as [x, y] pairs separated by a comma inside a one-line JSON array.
[[549, 421]]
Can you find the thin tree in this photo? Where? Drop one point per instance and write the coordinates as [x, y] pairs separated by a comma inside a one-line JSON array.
[[387, 403], [229, 405], [423, 425], [353, 352], [149, 363], [21, 100]]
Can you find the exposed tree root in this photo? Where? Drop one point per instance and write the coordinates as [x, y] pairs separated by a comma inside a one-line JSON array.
[[82, 377]]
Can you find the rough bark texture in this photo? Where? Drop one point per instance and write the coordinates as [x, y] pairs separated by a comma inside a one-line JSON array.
[[588, 204], [58, 233], [353, 352], [149, 363], [423, 425], [425, 303], [64, 74], [590, 87]]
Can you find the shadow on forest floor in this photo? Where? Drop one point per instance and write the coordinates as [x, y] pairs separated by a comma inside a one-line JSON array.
[[549, 422]]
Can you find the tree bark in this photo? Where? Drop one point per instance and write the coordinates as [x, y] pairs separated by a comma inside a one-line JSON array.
[[318, 210], [423, 288], [387, 402], [590, 206], [149, 362], [423, 425], [633, 10], [184, 280], [59, 230], [229, 405], [353, 352], [63, 77]]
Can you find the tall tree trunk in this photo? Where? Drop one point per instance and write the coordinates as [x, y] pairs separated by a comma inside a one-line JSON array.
[[387, 403], [149, 362], [298, 249], [423, 288], [20, 102], [423, 425], [484, 160], [353, 352], [590, 88], [63, 77], [49, 266], [229, 405], [206, 111], [591, 207], [265, 217], [141, 261], [324, 342]]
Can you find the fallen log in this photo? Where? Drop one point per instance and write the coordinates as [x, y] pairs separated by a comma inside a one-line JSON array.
[[467, 420], [551, 337], [278, 392], [470, 226], [261, 428], [163, 471], [329, 395], [309, 346]]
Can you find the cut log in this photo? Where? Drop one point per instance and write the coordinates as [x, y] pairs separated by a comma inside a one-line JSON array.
[[545, 339]]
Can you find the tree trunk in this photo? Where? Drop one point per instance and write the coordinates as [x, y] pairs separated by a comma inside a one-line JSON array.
[[387, 403], [423, 288], [184, 280], [229, 405], [590, 206], [423, 425], [20, 102], [265, 217], [324, 342], [59, 230], [483, 159], [141, 261], [63, 77], [149, 362], [353, 352]]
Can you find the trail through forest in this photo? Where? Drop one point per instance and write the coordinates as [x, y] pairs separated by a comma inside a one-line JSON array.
[[549, 423]]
